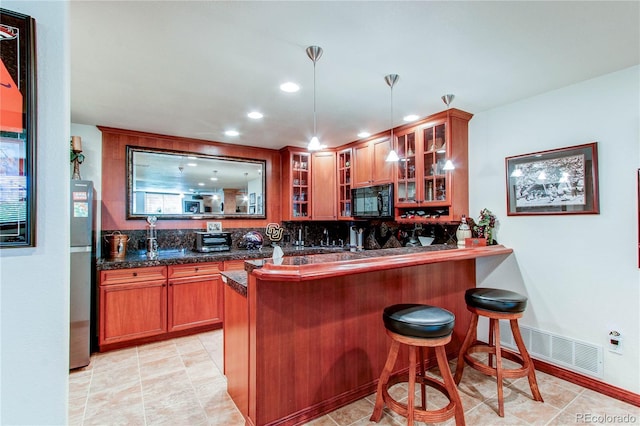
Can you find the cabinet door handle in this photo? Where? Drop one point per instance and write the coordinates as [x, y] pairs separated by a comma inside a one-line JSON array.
[[197, 269], [135, 274]]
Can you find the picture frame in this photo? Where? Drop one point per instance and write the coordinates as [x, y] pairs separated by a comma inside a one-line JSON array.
[[553, 182], [214, 226], [192, 207], [252, 209], [259, 207], [18, 124], [252, 198]]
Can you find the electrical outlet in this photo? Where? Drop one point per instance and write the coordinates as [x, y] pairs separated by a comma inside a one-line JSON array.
[[615, 342]]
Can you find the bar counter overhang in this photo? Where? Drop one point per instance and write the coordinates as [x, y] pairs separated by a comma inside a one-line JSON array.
[[308, 335]]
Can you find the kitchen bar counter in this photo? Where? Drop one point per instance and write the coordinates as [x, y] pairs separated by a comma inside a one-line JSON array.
[[307, 337]]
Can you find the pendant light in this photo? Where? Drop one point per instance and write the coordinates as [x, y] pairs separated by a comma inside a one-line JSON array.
[[448, 165], [391, 80], [314, 53]]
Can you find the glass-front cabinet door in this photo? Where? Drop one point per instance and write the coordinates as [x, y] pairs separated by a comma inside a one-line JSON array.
[[344, 184], [300, 184], [408, 192], [435, 156]]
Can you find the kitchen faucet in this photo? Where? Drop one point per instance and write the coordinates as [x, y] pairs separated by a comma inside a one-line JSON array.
[[326, 234]]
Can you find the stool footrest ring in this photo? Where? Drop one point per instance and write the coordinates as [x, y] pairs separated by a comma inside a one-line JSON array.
[[507, 373], [420, 413]]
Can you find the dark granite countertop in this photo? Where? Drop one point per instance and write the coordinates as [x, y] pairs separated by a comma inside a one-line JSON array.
[[138, 259], [237, 280]]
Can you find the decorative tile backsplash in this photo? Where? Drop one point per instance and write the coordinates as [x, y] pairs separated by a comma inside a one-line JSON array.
[[377, 234]]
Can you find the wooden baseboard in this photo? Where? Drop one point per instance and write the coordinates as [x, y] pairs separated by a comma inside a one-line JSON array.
[[588, 382], [164, 336]]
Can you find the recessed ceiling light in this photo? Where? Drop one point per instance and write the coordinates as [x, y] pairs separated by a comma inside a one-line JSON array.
[[232, 133], [192, 157], [289, 87], [200, 183], [213, 178], [411, 117], [192, 164], [364, 134], [255, 115]]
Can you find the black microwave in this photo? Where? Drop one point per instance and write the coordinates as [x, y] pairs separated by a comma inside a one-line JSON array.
[[372, 202]]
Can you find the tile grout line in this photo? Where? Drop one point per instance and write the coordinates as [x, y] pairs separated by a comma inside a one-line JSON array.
[[86, 399], [144, 410], [562, 410]]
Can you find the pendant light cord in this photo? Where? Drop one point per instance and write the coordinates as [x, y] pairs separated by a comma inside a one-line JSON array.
[[314, 98]]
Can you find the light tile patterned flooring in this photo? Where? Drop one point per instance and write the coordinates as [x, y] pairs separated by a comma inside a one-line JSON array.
[[180, 382]]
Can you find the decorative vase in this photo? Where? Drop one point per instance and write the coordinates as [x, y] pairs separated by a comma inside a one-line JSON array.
[[463, 232]]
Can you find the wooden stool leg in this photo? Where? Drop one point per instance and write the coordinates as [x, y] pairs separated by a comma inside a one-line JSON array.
[[384, 378], [449, 384], [468, 340], [496, 328], [491, 340], [411, 397], [533, 384], [423, 387]]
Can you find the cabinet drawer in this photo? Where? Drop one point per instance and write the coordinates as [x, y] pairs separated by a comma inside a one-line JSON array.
[[234, 265], [131, 275], [194, 269]]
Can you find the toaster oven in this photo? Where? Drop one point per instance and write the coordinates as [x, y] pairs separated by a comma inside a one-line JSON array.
[[207, 242]]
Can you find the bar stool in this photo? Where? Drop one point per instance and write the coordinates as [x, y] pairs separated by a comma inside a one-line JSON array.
[[418, 326], [496, 305]]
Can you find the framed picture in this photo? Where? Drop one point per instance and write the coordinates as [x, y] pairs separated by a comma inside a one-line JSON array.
[[558, 181], [259, 204], [192, 207], [17, 130], [214, 226], [252, 209], [252, 198]]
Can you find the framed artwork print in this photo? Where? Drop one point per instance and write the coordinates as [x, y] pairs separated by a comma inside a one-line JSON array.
[[558, 181], [17, 130], [214, 226]]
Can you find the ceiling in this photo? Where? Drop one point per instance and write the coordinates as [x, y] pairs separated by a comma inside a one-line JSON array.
[[195, 69]]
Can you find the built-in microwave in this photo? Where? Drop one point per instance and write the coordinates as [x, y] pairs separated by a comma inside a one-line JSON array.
[[373, 202]]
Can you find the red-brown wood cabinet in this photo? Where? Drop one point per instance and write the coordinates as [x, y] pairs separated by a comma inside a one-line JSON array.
[[158, 302], [370, 166]]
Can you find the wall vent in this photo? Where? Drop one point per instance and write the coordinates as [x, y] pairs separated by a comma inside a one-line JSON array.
[[565, 352]]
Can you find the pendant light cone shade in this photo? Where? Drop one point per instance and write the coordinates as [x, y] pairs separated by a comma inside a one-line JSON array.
[[448, 165], [391, 81], [447, 99], [314, 53]]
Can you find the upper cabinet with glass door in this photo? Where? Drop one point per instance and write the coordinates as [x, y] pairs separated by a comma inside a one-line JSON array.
[[426, 188]]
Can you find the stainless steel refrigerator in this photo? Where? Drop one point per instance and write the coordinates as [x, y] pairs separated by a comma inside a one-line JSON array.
[[82, 266]]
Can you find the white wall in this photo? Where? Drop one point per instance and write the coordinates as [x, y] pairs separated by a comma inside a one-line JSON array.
[[34, 284], [580, 271]]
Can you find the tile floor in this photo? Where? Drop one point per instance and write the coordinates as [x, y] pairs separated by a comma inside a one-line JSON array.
[[180, 382]]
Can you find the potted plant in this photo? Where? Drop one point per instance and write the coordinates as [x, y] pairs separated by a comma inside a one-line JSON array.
[[485, 226]]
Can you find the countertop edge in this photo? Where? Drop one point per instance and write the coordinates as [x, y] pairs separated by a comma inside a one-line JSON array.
[[271, 272]]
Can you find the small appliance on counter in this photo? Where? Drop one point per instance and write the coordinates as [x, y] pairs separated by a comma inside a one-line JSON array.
[[207, 242]]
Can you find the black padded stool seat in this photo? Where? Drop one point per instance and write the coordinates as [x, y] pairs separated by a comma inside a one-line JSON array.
[[496, 305], [497, 300], [418, 326], [415, 320]]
